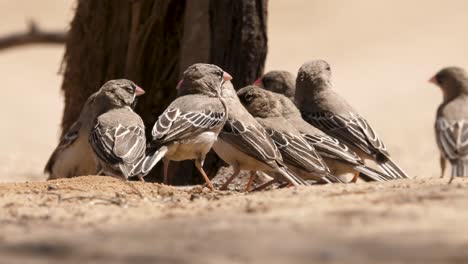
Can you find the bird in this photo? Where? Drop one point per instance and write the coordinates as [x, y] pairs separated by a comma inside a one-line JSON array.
[[298, 155], [451, 124], [73, 155], [282, 82], [118, 135], [323, 108], [190, 125], [245, 145], [342, 161]]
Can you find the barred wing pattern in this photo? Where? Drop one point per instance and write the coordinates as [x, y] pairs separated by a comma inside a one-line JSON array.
[[354, 130], [332, 148], [297, 152], [116, 145], [452, 138], [253, 140], [174, 124]]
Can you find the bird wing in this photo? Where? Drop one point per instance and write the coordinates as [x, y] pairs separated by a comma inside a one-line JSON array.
[[352, 129], [67, 140], [452, 138], [251, 139], [176, 124], [121, 144], [333, 148], [297, 152]]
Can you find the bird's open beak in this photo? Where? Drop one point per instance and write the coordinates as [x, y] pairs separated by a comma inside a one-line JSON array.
[[433, 80], [139, 91], [227, 77], [258, 82], [178, 85]]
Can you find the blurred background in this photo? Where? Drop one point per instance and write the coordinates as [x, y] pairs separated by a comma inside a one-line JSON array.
[[382, 54]]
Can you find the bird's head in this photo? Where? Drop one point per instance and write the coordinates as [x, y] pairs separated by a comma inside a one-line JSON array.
[[203, 78], [282, 82], [452, 81], [120, 92], [259, 102]]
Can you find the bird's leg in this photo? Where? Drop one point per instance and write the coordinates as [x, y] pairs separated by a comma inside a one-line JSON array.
[[166, 169], [230, 179], [253, 175], [263, 186], [443, 163], [199, 166], [355, 178]]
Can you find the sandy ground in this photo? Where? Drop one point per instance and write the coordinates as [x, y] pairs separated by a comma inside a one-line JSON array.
[[382, 54]]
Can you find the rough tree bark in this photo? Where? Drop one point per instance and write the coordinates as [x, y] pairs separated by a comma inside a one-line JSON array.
[[152, 42]]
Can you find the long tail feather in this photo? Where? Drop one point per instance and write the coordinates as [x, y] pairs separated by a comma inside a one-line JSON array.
[[369, 174], [393, 170], [332, 178], [144, 166], [291, 177], [459, 168]]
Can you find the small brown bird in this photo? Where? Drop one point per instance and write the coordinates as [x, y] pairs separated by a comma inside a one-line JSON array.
[[298, 155], [73, 156], [342, 161], [451, 124], [323, 108], [245, 145], [118, 137], [282, 82], [191, 123]]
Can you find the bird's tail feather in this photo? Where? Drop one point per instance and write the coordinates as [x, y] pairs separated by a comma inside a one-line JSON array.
[[393, 170], [144, 166], [369, 174], [460, 168], [330, 178], [291, 177]]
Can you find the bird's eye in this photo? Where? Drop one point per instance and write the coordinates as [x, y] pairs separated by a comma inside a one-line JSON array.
[[328, 68], [220, 74], [439, 79], [248, 98]]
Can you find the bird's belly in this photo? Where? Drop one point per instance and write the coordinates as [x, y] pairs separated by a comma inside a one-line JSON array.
[[192, 148], [235, 157], [76, 160]]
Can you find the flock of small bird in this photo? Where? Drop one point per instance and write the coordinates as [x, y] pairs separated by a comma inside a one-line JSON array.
[[298, 131]]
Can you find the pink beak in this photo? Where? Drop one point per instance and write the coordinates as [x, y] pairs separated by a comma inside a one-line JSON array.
[[178, 85], [139, 91], [433, 80], [227, 76], [258, 82]]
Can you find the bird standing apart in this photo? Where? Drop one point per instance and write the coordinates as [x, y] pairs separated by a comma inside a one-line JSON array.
[[298, 155], [245, 145], [73, 156], [282, 82], [451, 124], [118, 136], [325, 109], [190, 125]]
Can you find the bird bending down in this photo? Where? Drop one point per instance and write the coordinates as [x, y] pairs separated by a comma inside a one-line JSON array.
[[245, 145], [297, 154], [451, 125], [190, 125], [325, 109], [118, 136]]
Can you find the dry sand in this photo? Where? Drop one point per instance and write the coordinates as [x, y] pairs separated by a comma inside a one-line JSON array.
[[382, 53]]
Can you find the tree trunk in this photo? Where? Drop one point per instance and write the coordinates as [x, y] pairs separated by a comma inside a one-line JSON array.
[[152, 42]]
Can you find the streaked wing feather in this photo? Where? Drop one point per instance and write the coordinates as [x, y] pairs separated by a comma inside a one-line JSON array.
[[333, 148], [452, 138]]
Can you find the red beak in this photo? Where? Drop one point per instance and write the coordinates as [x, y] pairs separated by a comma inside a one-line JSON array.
[[178, 85], [258, 82], [227, 76], [139, 91]]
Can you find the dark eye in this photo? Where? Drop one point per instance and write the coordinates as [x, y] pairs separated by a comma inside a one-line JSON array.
[[439, 79], [130, 89], [248, 98], [328, 68], [220, 74]]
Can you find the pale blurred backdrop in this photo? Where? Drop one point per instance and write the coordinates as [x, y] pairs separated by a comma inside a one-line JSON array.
[[382, 54]]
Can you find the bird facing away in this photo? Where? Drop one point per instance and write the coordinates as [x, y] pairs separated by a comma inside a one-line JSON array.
[[451, 125], [282, 82], [298, 155], [73, 156], [323, 108], [118, 136], [342, 161], [190, 125], [245, 145]]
